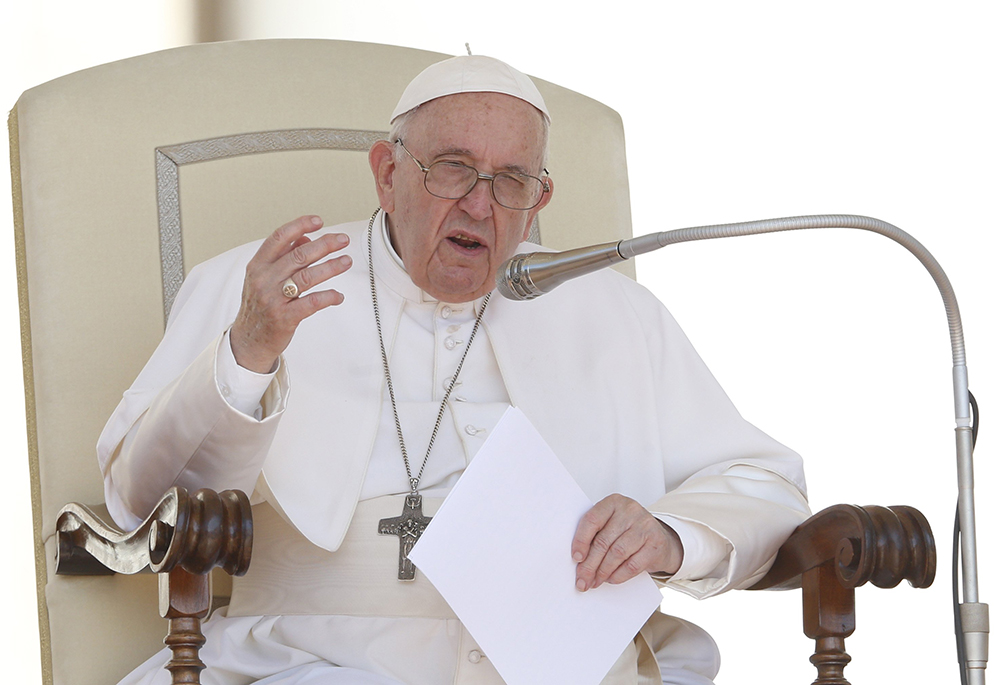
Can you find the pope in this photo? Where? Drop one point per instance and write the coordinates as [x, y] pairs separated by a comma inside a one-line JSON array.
[[293, 372]]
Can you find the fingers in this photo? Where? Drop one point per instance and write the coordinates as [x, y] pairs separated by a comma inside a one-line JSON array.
[[309, 277], [590, 525], [595, 546], [626, 558], [302, 260], [268, 318], [286, 237], [617, 540], [305, 306], [310, 252], [289, 249]]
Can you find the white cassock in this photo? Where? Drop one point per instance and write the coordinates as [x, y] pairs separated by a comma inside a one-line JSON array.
[[598, 366]]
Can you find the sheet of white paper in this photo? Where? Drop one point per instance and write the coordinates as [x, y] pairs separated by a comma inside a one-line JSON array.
[[498, 551]]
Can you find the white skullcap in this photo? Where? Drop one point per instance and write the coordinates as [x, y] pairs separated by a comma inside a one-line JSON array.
[[468, 74]]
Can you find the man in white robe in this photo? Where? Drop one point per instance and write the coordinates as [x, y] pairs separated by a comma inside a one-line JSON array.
[[268, 381]]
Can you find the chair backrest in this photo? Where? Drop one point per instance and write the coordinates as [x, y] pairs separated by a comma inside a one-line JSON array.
[[128, 174]]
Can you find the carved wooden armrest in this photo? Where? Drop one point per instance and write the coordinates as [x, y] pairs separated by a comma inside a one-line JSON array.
[[842, 548], [185, 537]]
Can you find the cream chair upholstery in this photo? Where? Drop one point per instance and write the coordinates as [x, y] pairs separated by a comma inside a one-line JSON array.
[[128, 174]]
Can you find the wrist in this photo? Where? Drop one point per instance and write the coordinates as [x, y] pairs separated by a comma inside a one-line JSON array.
[[248, 358], [675, 550]]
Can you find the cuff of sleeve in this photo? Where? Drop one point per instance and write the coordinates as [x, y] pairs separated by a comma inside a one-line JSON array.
[[244, 390], [704, 550], [192, 437]]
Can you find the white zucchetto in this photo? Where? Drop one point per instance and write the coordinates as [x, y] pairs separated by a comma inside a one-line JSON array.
[[468, 74]]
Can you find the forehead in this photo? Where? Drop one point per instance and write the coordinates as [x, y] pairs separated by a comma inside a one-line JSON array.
[[481, 124]]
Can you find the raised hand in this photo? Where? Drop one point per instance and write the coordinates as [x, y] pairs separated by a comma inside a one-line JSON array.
[[618, 539], [270, 312]]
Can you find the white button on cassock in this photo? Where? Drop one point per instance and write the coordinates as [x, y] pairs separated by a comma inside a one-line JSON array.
[[445, 312], [475, 656], [472, 430]]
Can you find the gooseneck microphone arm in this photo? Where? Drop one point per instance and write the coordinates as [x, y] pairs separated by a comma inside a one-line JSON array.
[[526, 276]]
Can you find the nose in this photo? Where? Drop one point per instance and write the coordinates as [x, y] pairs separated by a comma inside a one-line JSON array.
[[478, 204]]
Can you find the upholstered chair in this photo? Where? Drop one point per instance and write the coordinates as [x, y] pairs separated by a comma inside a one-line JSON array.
[[128, 174]]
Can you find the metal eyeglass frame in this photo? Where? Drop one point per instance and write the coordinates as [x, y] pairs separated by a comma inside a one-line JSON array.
[[481, 176]]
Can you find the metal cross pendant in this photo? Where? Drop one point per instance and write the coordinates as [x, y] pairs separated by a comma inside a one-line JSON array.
[[408, 527]]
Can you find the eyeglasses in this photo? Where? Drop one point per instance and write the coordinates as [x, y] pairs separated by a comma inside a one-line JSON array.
[[454, 180]]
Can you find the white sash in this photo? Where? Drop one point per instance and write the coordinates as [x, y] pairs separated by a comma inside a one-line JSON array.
[[290, 576]]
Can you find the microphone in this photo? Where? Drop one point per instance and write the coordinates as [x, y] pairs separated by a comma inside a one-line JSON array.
[[527, 276]]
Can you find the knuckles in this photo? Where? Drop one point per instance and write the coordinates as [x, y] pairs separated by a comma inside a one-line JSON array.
[[284, 234], [625, 540], [300, 255], [601, 544], [633, 567], [591, 519], [313, 300], [619, 550]]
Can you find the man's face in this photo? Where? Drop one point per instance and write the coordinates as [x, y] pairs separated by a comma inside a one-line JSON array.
[[452, 248]]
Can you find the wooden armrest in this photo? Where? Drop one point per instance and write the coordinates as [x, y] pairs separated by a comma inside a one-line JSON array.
[[182, 540], [196, 532], [842, 548]]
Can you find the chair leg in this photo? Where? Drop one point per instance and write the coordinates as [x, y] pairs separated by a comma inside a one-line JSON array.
[[185, 599], [830, 659], [185, 641], [828, 618]]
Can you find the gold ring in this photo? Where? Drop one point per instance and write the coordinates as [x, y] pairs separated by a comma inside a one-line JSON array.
[[289, 289]]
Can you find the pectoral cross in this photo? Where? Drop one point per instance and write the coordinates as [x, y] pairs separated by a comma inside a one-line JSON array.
[[408, 527]]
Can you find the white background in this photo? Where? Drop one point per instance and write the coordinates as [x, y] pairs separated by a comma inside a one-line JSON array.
[[835, 342]]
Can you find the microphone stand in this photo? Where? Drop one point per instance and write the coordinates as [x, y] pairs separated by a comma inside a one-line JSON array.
[[559, 267]]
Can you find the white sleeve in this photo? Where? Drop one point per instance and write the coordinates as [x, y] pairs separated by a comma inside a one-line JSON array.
[[736, 492], [731, 524], [242, 388], [192, 437], [704, 549]]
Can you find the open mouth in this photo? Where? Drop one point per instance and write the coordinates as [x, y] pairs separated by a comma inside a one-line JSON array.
[[465, 241]]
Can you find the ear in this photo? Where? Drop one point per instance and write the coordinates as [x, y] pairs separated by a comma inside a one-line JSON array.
[[546, 198], [381, 159]]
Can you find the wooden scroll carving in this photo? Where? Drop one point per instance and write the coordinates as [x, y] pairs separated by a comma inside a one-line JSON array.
[[842, 548], [185, 537]]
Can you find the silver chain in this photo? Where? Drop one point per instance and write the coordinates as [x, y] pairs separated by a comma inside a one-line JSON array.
[[414, 481]]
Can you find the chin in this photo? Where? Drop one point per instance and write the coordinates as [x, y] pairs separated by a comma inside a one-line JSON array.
[[458, 299], [457, 293]]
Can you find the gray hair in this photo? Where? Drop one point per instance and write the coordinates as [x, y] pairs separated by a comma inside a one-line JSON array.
[[399, 130]]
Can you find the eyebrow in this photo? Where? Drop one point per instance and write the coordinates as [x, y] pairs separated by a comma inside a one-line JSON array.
[[463, 152]]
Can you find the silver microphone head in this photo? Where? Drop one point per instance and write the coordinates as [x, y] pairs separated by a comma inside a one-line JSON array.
[[514, 281], [527, 276]]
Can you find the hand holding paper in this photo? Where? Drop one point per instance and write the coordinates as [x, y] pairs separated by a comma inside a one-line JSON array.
[[499, 551], [618, 539]]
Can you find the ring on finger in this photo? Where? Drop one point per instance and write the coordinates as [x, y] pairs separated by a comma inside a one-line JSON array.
[[289, 289]]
